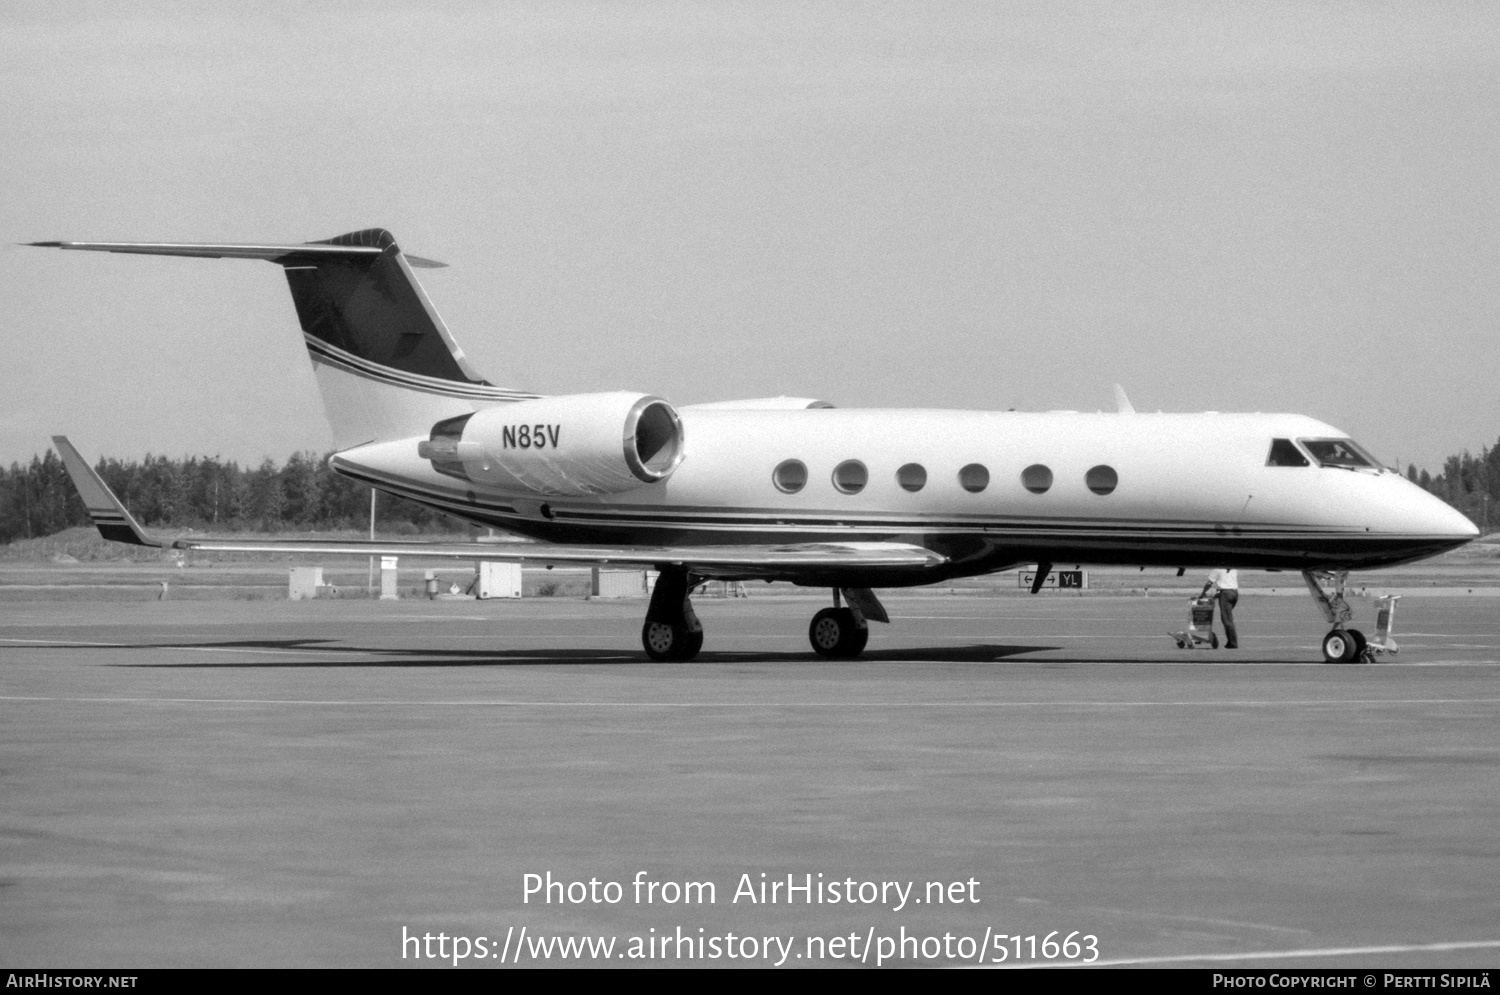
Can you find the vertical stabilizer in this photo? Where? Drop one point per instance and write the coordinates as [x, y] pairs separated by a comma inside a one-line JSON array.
[[386, 366]]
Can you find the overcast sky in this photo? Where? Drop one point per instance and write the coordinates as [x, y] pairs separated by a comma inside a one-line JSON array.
[[1238, 207]]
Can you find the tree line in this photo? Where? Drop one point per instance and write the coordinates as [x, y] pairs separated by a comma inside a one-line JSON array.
[[303, 494], [207, 493]]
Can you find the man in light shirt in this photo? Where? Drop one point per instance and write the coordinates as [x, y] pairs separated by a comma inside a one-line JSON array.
[[1226, 583]]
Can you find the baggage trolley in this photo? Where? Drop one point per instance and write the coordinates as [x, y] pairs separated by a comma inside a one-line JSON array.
[[1200, 630], [1384, 642]]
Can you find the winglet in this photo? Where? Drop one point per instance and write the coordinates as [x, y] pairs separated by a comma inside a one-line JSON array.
[[109, 515]]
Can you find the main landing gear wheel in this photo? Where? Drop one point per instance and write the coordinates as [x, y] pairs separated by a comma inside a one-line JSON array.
[[670, 643], [672, 631], [1343, 646], [836, 634]]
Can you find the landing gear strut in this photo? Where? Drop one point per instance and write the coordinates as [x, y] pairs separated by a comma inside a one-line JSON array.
[[1342, 644], [672, 632], [841, 632]]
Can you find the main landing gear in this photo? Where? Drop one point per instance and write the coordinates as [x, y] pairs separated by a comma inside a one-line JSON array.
[[672, 632], [838, 633], [841, 632]]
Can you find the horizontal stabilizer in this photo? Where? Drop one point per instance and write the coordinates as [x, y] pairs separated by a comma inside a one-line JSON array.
[[385, 363], [304, 251], [107, 512]]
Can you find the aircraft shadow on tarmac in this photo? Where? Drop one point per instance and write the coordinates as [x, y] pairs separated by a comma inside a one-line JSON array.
[[336, 655]]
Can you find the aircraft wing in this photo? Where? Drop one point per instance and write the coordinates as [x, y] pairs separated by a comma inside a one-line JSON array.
[[114, 522], [740, 560]]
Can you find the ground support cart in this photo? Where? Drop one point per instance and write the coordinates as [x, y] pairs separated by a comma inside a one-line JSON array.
[[1200, 630]]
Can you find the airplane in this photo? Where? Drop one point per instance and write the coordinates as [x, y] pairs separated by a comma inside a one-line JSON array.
[[795, 489]]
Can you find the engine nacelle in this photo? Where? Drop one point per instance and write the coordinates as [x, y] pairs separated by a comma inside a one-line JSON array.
[[570, 445]]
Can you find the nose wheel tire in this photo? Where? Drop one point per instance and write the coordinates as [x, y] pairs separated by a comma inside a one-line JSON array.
[[670, 643], [1343, 646], [836, 634]]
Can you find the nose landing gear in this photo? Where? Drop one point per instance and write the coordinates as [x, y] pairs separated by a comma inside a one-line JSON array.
[[1344, 644], [1341, 645]]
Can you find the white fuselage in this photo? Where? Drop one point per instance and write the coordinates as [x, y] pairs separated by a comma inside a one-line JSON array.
[[1189, 490]]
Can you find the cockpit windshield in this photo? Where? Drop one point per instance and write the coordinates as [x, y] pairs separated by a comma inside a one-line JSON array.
[[1283, 453], [1339, 452]]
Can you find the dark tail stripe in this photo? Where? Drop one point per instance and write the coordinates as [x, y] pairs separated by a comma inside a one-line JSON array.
[[370, 306], [321, 352]]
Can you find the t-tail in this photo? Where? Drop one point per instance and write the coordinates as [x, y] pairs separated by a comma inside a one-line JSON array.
[[386, 365]]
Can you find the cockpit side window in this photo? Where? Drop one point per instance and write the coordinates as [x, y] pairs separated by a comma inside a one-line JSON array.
[[1338, 452], [1283, 453]]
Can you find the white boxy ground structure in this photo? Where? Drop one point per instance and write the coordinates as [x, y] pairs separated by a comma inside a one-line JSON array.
[[617, 583], [304, 582], [389, 590], [498, 580]]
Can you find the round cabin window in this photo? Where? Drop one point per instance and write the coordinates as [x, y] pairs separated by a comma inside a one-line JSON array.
[[912, 477], [790, 476], [850, 476], [974, 478], [1036, 478], [1102, 479]]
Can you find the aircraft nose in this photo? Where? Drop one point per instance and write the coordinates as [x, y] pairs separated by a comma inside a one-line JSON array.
[[1438, 518]]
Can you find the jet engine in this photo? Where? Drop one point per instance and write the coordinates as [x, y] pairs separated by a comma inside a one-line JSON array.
[[570, 445]]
